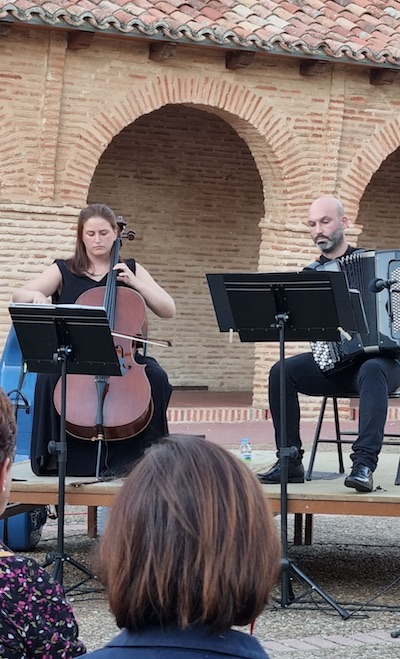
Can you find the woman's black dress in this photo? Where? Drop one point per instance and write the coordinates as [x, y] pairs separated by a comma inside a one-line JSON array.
[[116, 457]]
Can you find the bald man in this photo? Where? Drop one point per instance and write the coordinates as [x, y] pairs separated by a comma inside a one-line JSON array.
[[373, 377]]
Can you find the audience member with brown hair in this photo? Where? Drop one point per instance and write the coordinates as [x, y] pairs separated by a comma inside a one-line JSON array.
[[35, 618], [190, 550]]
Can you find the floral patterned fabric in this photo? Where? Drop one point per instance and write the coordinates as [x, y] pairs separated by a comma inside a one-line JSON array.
[[35, 618]]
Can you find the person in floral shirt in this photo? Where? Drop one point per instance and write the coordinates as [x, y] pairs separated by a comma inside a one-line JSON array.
[[35, 618]]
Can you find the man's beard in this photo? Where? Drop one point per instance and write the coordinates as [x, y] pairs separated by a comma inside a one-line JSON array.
[[329, 245]]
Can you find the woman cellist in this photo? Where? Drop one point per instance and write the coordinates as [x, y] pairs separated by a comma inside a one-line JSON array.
[[64, 282]]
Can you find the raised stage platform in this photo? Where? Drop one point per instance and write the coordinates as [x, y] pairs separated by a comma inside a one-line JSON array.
[[225, 417], [26, 487], [325, 494]]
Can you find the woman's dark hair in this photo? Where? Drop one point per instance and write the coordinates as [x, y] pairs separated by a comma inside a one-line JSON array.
[[8, 427], [190, 540], [80, 263]]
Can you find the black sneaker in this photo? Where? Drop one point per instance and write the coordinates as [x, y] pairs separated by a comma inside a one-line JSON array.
[[273, 476]]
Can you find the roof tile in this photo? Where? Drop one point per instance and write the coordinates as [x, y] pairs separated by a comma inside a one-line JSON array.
[[261, 10], [289, 6], [278, 22], [242, 10], [393, 12], [164, 7], [256, 20], [302, 21], [283, 13], [344, 22], [343, 30], [145, 4], [316, 4], [23, 5], [156, 13], [357, 9], [326, 21], [211, 13], [388, 31]]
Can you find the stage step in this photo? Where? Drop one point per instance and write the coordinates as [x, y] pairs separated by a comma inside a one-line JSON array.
[[198, 406]]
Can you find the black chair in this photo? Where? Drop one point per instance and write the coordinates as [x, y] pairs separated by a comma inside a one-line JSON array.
[[342, 436]]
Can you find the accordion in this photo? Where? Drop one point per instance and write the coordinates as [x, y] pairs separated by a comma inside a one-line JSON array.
[[376, 275]]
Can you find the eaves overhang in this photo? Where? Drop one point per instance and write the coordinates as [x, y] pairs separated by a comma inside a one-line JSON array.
[[161, 31]]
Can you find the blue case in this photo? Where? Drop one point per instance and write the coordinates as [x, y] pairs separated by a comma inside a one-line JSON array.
[[21, 532]]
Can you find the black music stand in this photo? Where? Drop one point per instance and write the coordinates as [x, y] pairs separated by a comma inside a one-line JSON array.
[[302, 306], [64, 339]]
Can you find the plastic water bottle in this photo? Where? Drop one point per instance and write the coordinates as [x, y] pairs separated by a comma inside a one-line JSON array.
[[245, 450], [102, 514]]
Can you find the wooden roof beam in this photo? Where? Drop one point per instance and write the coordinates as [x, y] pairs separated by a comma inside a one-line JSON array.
[[160, 51], [313, 67], [382, 76], [79, 39], [5, 29], [238, 59]]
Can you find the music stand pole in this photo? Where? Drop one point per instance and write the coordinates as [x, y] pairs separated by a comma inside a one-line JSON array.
[[289, 568], [284, 454], [59, 557]]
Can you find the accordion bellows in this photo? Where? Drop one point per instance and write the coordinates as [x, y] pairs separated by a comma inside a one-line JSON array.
[[381, 308]]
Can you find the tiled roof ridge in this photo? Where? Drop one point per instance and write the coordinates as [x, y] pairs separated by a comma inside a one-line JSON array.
[[337, 38]]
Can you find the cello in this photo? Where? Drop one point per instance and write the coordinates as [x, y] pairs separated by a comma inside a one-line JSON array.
[[111, 407]]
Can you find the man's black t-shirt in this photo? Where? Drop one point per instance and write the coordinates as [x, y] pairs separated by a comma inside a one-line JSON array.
[[324, 259]]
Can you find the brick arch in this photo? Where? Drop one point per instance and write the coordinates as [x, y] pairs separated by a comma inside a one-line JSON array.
[[247, 112], [366, 161]]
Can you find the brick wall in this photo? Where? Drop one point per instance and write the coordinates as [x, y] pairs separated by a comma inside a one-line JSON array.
[[215, 170]]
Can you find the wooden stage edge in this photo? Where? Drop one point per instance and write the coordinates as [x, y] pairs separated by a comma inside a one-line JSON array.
[[324, 495]]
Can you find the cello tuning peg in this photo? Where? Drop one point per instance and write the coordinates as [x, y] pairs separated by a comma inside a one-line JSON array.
[[130, 235], [121, 222]]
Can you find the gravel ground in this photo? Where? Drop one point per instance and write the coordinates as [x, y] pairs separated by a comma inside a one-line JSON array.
[[352, 560]]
